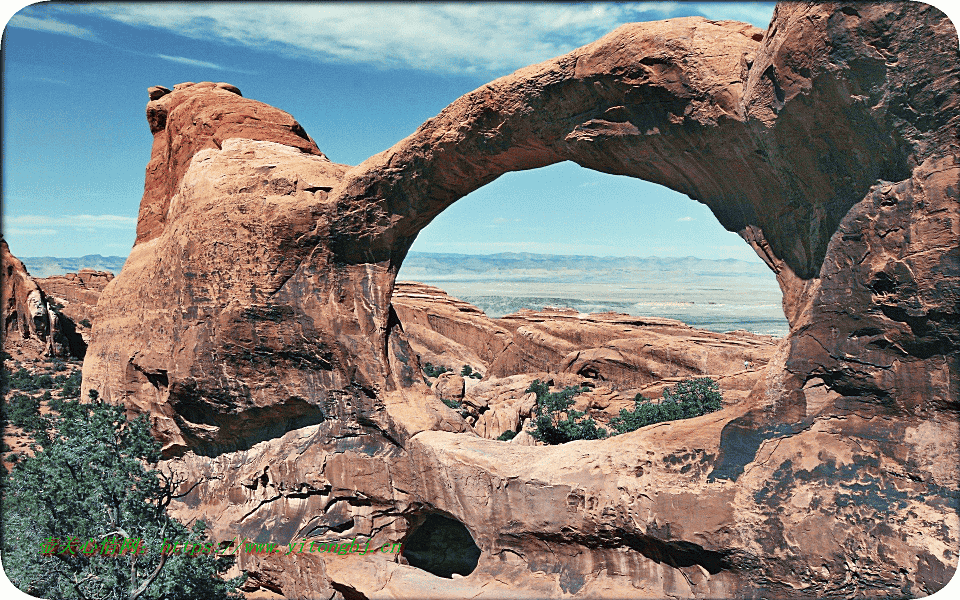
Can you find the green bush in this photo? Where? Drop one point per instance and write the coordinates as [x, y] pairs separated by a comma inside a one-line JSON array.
[[556, 422], [91, 478], [70, 384], [44, 381], [507, 435], [22, 411], [434, 371], [689, 398], [86, 323], [21, 379], [467, 371]]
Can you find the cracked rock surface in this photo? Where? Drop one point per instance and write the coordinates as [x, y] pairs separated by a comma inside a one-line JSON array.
[[253, 322]]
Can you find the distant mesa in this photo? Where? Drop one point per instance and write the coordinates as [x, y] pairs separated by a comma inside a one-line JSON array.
[[49, 266]]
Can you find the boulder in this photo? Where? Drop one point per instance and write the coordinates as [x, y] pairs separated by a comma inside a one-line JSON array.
[[448, 386]]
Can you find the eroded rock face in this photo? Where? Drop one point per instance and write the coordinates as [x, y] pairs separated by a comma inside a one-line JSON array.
[[78, 293], [28, 319], [253, 321], [617, 355]]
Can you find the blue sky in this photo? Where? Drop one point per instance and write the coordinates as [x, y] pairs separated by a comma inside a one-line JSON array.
[[359, 77]]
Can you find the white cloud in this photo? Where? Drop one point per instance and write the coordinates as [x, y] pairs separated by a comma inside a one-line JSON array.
[[190, 61], [50, 25], [73, 221], [18, 231], [45, 80], [440, 37], [685, 219]]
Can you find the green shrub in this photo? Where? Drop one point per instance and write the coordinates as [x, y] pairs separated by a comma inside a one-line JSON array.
[[556, 422], [92, 477], [431, 371], [507, 435], [44, 381], [86, 323], [467, 371], [451, 403], [22, 411], [70, 384], [55, 403], [21, 379], [689, 398]]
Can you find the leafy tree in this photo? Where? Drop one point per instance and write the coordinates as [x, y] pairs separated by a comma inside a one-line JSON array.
[[20, 379], [687, 399], [556, 422], [22, 411], [85, 492], [695, 396], [70, 384]]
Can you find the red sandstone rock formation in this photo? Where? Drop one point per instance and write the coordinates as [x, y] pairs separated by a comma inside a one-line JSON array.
[[622, 354], [28, 319], [78, 293], [254, 314]]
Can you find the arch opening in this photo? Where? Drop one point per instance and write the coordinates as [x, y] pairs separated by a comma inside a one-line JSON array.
[[608, 318], [442, 546], [568, 236]]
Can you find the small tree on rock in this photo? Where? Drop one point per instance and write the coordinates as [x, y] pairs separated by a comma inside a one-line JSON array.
[[556, 422], [89, 486]]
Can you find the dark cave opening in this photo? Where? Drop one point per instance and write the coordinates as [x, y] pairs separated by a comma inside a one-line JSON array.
[[441, 546]]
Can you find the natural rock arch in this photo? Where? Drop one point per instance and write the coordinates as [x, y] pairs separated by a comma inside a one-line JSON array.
[[253, 323], [780, 138]]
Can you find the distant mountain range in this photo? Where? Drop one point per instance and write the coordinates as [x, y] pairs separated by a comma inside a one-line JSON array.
[[517, 266], [505, 265], [47, 266], [721, 295]]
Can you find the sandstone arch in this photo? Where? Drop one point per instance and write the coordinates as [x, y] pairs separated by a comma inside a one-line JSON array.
[[253, 320]]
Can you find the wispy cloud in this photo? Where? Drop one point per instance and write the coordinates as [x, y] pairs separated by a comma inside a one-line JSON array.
[[50, 25], [439, 37], [46, 80], [190, 61], [20, 231], [43, 223], [685, 219]]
